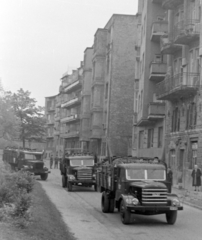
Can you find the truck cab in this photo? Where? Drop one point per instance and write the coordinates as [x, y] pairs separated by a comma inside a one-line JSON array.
[[78, 170], [137, 187], [26, 160]]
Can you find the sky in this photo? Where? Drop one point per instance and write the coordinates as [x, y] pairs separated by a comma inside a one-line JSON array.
[[40, 40]]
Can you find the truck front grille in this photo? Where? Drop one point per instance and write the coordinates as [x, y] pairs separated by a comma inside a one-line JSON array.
[[154, 196], [38, 165], [84, 174]]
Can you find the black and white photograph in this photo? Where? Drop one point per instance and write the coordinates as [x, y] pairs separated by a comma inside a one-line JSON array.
[[100, 119]]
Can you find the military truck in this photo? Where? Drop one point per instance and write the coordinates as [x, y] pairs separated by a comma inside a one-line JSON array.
[[136, 186], [26, 160], [78, 170]]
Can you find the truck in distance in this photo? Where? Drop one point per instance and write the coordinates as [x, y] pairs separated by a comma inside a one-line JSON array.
[[136, 187], [26, 160], [78, 170]]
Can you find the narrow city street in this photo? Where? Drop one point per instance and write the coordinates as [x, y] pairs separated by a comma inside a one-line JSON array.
[[82, 213]]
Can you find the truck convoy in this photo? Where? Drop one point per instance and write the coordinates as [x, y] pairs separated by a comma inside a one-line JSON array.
[[136, 186], [78, 170], [27, 160]]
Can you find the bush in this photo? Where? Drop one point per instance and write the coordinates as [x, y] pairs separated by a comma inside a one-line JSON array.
[[15, 199]]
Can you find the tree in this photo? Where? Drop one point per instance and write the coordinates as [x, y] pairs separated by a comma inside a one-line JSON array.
[[31, 117], [8, 120]]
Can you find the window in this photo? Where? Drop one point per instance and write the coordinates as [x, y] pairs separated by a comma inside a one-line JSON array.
[[150, 139], [160, 137], [194, 147], [141, 139], [176, 120], [191, 116]]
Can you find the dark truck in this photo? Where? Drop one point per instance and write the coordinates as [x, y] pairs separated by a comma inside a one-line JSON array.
[[136, 187], [78, 170], [26, 160]]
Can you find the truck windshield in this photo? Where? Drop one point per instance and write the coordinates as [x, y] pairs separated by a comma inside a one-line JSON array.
[[156, 174], [145, 174], [86, 162], [30, 156], [135, 174]]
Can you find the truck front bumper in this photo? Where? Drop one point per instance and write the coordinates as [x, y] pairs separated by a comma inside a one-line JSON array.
[[141, 208], [85, 181]]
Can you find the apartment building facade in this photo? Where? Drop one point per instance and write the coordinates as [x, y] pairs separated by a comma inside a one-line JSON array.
[[112, 86], [50, 103], [150, 68], [178, 40]]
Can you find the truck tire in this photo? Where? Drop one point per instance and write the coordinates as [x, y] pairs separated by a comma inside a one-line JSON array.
[[105, 203], [124, 213], [64, 181], [171, 217], [111, 205], [44, 176], [69, 186]]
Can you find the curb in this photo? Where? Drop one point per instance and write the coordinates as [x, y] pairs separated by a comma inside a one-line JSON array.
[[192, 205]]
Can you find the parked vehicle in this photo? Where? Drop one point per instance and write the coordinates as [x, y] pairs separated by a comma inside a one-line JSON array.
[[27, 160], [78, 170], [136, 186]]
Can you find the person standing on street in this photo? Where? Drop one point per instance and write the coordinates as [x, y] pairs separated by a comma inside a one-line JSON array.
[[51, 160], [56, 161], [196, 178], [170, 178]]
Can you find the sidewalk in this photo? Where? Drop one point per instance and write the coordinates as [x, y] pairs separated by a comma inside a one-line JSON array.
[[189, 197]]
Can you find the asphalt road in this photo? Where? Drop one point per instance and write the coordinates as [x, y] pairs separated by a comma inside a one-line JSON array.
[[82, 213]]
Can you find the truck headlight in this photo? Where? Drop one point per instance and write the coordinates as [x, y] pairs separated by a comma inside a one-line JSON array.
[[31, 167], [175, 202], [72, 177], [135, 201]]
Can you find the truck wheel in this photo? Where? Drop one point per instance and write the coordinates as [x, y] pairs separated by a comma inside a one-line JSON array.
[[44, 176], [125, 214], [69, 186], [105, 203], [111, 205], [64, 181], [171, 217]]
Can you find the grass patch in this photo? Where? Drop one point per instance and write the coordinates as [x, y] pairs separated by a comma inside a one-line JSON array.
[[46, 222]]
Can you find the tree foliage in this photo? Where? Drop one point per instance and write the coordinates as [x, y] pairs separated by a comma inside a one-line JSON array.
[[8, 121], [31, 117]]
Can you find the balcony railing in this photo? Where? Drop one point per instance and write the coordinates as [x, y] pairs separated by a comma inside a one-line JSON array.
[[170, 4], [71, 134], [157, 71], [182, 85], [73, 86], [158, 29], [70, 118], [167, 46], [71, 102], [186, 31], [156, 110]]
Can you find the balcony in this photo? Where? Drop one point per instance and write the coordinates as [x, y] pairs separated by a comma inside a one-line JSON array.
[[157, 71], [71, 118], [186, 31], [137, 52], [72, 134], [159, 28], [182, 85], [171, 4], [49, 135], [51, 109], [156, 110], [167, 46], [58, 104], [56, 133], [50, 122], [73, 86], [57, 118], [71, 102]]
